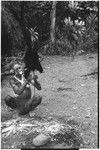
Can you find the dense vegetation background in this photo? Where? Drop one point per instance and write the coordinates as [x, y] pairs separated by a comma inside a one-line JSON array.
[[64, 28]]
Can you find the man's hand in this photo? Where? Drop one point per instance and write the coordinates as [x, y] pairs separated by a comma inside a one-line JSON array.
[[32, 77], [24, 80], [35, 77]]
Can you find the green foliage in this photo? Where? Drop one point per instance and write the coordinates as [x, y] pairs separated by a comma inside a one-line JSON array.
[[81, 36], [12, 29], [12, 17], [71, 34], [90, 37]]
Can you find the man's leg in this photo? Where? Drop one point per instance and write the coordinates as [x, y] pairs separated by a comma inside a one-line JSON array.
[[11, 102], [36, 100], [30, 105]]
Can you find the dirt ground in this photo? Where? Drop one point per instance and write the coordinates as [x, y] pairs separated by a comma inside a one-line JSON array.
[[66, 97]]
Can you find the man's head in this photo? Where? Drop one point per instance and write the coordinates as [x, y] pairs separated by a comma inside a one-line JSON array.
[[18, 69]]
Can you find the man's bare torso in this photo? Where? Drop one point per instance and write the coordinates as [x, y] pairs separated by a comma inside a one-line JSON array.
[[26, 94]]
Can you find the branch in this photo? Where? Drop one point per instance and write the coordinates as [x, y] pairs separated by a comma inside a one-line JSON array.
[[89, 74]]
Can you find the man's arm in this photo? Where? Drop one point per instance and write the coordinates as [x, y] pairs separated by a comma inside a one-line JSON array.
[[33, 80], [16, 89], [36, 84]]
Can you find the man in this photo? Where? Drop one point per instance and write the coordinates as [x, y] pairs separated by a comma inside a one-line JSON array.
[[23, 101]]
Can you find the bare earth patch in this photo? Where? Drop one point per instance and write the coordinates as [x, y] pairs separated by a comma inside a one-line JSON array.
[[69, 99]]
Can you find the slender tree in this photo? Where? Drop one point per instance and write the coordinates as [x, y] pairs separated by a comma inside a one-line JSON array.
[[53, 21]]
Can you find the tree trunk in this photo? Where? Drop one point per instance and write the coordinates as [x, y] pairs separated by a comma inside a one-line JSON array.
[[53, 21]]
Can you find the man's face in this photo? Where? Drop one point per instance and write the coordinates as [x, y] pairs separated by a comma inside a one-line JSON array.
[[18, 69]]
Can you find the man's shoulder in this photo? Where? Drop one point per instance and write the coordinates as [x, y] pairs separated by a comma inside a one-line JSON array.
[[12, 79]]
